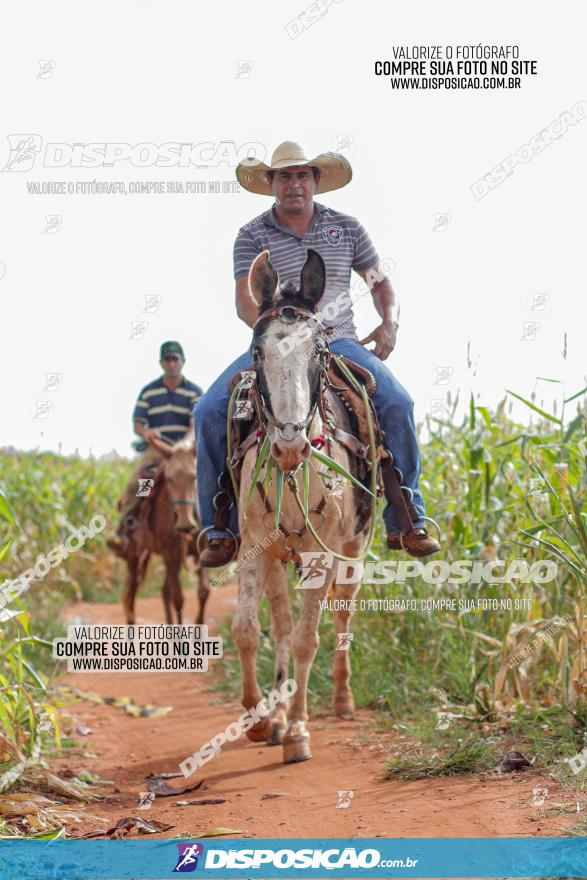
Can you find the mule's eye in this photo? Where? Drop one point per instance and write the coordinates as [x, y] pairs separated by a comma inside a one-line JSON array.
[[257, 355]]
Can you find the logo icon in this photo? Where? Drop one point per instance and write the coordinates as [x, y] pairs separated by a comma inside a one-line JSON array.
[[444, 720], [52, 223], [248, 377], [343, 641], [46, 68], [315, 564], [437, 407], [23, 151], [441, 221], [138, 329], [530, 331], [538, 300], [244, 68], [344, 143], [52, 381], [187, 860], [443, 375], [540, 795], [152, 302], [145, 487], [333, 234], [344, 799], [43, 409]]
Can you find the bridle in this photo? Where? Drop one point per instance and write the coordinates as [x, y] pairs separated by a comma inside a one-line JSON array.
[[174, 502], [289, 314]]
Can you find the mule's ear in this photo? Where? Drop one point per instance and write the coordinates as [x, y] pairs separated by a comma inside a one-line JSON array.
[[262, 279], [160, 446], [313, 278]]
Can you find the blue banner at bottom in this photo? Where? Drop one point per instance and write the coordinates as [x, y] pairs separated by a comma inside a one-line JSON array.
[[506, 857]]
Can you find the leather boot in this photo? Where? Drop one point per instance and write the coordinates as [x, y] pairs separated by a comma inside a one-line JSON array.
[[220, 551], [417, 542]]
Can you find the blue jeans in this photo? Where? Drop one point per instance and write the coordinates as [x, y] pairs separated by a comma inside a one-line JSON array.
[[395, 410]]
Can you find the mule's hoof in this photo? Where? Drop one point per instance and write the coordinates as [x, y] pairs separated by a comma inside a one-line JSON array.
[[259, 732], [344, 706], [277, 734], [296, 750]]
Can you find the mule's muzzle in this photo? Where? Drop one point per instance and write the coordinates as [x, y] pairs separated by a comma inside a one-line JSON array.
[[291, 446]]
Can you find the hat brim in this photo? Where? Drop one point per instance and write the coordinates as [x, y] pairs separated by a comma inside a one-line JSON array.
[[335, 172]]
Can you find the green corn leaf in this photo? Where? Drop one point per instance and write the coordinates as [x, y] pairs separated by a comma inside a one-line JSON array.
[[535, 408], [261, 456], [578, 394], [278, 494], [5, 510], [335, 466], [306, 485], [268, 472], [580, 530]]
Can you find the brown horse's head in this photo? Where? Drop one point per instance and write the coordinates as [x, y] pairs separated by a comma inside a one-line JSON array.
[[287, 350], [180, 476]]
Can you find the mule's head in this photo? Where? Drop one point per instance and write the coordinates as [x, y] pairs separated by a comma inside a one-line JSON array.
[[180, 475], [286, 350]]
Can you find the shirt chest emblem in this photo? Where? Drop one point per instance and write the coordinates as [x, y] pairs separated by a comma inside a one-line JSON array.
[[332, 234]]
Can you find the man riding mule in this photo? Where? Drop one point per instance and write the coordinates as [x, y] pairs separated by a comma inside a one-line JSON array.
[[163, 411], [303, 412], [158, 506], [292, 226]]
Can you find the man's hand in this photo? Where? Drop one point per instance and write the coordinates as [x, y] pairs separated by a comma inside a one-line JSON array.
[[384, 337]]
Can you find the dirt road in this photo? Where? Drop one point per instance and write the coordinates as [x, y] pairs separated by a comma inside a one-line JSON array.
[[349, 756]]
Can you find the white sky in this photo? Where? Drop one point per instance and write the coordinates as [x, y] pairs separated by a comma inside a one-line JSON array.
[[152, 71]]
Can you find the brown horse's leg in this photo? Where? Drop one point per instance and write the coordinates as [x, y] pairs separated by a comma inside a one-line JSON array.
[[131, 586], [203, 592], [296, 742], [172, 593], [281, 629], [246, 631]]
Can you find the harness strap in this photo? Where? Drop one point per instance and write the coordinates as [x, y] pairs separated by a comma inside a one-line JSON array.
[[395, 495], [268, 509], [242, 448], [351, 442]]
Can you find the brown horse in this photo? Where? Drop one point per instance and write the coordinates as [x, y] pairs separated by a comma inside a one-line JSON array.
[[167, 526], [291, 398]]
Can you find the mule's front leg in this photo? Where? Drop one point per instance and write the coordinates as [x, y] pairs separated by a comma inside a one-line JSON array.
[[281, 629], [246, 631], [344, 705], [296, 742]]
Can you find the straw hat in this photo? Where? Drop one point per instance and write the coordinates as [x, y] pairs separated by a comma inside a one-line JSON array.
[[335, 170]]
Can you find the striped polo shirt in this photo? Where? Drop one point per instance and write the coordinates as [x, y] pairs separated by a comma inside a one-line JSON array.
[[341, 241], [168, 411]]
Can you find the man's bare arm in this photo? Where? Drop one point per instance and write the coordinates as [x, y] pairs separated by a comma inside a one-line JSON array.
[[387, 306], [246, 307], [143, 430]]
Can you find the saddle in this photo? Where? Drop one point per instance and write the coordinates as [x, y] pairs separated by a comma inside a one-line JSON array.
[[246, 430]]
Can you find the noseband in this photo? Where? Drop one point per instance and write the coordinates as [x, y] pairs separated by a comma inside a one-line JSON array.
[[289, 315]]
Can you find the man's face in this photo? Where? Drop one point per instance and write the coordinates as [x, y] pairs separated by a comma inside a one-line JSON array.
[[294, 188], [172, 365]]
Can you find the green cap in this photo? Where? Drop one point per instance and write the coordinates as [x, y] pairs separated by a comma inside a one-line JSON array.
[[171, 348]]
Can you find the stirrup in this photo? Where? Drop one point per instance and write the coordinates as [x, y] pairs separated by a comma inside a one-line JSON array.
[[209, 528]]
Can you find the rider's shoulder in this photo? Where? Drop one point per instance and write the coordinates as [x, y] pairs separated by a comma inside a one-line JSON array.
[[256, 225], [192, 387], [339, 217], [152, 386]]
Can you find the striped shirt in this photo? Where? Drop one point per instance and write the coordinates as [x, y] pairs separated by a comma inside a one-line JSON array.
[[341, 241], [168, 411]]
